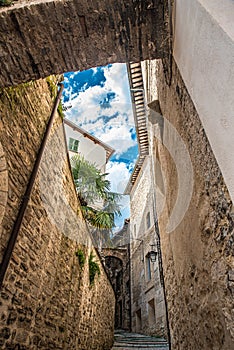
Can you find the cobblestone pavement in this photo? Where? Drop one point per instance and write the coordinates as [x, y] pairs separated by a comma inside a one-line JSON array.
[[129, 341]]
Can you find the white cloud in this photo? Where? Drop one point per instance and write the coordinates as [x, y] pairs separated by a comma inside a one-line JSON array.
[[118, 175], [119, 138], [85, 106], [86, 111]]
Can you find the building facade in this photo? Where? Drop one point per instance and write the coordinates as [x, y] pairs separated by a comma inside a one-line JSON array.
[[148, 310], [90, 147], [147, 295]]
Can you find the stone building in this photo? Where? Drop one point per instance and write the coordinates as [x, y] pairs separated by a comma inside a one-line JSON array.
[[147, 295]]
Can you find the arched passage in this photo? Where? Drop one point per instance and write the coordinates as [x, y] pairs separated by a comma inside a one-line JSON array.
[[115, 270], [118, 269], [39, 38]]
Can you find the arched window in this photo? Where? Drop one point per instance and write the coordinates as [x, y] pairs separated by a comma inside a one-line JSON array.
[[148, 223]]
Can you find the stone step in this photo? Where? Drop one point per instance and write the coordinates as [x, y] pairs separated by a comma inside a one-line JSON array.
[[128, 341], [139, 348], [144, 345]]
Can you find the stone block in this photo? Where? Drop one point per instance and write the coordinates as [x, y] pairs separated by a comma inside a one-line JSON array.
[[4, 180]]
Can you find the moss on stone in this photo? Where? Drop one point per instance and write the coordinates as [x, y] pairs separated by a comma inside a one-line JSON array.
[[93, 269], [81, 258]]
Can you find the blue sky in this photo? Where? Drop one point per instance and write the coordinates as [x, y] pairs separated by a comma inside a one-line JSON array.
[[98, 100]]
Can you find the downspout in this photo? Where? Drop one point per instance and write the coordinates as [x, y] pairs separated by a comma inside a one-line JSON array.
[[160, 262], [130, 287], [17, 225]]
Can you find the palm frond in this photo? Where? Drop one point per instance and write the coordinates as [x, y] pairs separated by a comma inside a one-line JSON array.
[[92, 186]]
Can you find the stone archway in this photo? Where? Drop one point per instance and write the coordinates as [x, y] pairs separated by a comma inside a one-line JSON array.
[[40, 38], [118, 268]]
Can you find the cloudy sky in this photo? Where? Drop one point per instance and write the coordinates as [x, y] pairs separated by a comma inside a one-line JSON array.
[[98, 100]]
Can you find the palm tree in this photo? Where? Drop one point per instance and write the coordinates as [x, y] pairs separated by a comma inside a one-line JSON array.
[[92, 187]]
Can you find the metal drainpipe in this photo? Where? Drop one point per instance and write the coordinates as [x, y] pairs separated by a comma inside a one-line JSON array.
[[170, 39], [158, 241], [130, 297], [162, 282], [17, 225]]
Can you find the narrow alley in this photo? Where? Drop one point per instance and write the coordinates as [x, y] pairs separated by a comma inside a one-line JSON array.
[[116, 174], [125, 341]]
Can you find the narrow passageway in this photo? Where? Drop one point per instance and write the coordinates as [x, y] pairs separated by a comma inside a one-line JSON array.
[[127, 341]]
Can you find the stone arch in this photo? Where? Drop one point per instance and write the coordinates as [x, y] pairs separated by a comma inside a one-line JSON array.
[[41, 38], [118, 253], [111, 261], [120, 261], [3, 183], [119, 272]]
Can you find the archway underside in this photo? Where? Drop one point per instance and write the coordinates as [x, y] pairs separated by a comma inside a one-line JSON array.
[[42, 38]]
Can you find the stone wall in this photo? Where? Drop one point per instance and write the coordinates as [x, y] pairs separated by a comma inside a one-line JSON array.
[[47, 301], [198, 254], [40, 38]]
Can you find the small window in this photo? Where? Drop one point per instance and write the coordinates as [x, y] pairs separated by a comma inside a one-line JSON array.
[[138, 320], [73, 144], [148, 220], [148, 267], [128, 285], [151, 312]]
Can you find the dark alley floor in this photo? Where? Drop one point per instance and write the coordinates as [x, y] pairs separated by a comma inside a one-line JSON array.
[[128, 341]]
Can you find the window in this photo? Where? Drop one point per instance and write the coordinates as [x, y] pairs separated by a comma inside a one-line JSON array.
[[73, 144], [148, 267], [128, 285], [148, 220], [138, 320], [151, 312], [134, 230]]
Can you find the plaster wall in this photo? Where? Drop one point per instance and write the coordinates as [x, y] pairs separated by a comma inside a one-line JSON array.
[[204, 52], [91, 151]]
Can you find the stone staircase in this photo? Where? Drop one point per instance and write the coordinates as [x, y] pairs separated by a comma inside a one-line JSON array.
[[129, 341]]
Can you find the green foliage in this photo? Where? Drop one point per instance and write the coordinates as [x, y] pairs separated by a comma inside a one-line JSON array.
[[81, 258], [60, 110], [98, 218], [6, 2], [93, 269], [52, 82], [92, 187]]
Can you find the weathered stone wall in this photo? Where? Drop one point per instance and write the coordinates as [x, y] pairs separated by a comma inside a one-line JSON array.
[[47, 301], [198, 255], [39, 38]]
